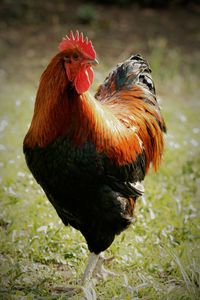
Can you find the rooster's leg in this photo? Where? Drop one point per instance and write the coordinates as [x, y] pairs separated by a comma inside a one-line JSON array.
[[86, 284], [100, 271], [92, 262], [93, 268]]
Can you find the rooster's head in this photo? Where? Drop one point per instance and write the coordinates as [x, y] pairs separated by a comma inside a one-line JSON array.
[[79, 57]]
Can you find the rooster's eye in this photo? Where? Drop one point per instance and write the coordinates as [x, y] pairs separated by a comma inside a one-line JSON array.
[[75, 56]]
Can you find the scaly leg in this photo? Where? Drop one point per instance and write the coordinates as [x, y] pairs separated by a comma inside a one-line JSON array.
[[92, 262], [86, 284], [94, 267]]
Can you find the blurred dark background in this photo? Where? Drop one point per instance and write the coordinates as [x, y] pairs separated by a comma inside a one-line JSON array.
[[32, 29]]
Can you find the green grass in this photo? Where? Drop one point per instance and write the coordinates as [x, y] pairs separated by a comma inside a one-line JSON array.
[[158, 256]]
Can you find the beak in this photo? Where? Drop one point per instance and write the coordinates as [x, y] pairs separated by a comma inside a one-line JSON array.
[[93, 62]]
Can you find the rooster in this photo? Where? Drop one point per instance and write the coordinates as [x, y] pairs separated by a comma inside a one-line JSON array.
[[90, 154]]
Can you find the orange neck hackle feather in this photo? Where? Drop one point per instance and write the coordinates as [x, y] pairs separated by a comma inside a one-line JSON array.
[[50, 110], [120, 128]]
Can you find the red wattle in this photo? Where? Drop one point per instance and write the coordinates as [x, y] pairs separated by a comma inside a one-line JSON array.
[[84, 80]]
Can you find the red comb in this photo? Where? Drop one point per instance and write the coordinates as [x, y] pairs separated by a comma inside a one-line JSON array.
[[77, 41]]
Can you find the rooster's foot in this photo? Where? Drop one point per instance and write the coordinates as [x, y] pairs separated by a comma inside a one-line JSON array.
[[100, 271]]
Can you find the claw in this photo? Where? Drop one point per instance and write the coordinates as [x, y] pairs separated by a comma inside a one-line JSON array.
[[68, 290]]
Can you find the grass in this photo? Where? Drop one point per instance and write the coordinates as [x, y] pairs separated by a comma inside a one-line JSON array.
[[158, 256]]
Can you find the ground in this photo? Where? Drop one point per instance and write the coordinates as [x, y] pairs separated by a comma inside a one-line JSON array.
[[158, 256]]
